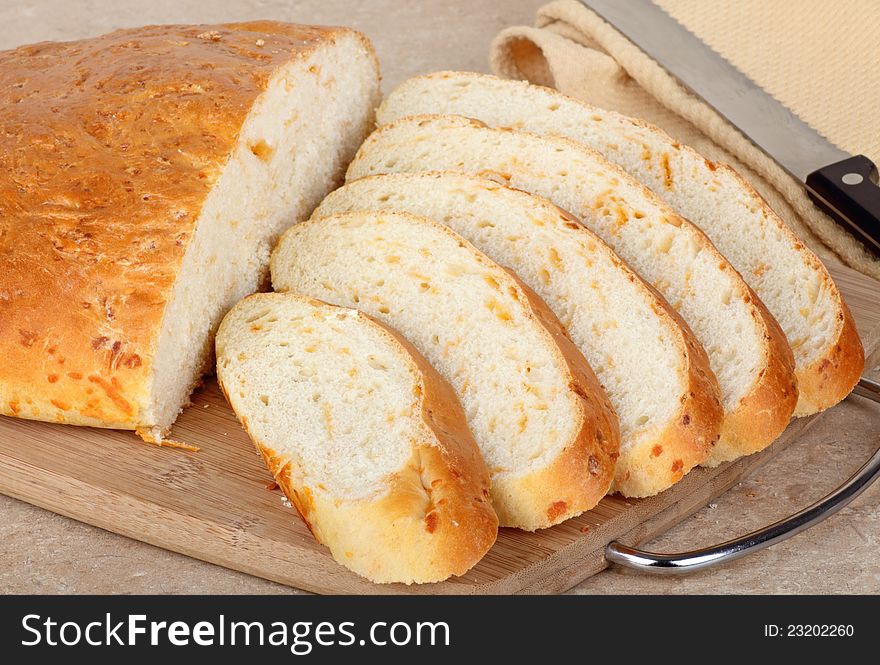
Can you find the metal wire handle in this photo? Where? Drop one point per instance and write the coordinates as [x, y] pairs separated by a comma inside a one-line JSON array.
[[685, 562]]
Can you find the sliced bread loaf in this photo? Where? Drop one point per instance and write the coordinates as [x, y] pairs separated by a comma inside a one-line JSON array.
[[671, 414], [746, 348], [362, 435], [543, 424], [786, 275], [144, 177]]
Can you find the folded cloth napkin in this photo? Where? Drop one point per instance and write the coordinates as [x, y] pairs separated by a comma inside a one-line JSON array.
[[819, 59]]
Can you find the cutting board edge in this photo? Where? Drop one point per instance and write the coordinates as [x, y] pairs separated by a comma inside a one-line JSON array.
[[153, 525]]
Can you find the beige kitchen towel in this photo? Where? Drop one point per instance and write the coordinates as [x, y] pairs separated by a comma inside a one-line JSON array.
[[821, 59]]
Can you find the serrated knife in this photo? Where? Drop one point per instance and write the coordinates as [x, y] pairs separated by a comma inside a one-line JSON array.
[[842, 185]]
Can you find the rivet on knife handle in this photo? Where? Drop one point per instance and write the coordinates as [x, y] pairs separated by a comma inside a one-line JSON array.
[[846, 190]]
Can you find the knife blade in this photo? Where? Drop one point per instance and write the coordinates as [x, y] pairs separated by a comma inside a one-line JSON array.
[[842, 185]]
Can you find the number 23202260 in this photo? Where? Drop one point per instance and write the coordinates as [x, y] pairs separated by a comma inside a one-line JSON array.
[[808, 630]]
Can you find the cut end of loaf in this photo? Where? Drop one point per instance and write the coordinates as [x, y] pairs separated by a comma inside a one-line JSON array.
[[298, 138], [146, 205]]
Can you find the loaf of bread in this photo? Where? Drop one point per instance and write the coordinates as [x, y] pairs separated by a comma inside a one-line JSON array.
[[543, 424], [361, 434], [786, 275], [144, 177], [746, 348], [655, 373]]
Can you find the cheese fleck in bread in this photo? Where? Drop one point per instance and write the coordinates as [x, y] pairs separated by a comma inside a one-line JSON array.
[[655, 373], [544, 426], [361, 434]]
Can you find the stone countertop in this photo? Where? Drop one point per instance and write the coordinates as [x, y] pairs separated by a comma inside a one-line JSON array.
[[41, 552]]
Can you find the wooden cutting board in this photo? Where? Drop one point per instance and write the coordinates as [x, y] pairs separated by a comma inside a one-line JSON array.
[[215, 505]]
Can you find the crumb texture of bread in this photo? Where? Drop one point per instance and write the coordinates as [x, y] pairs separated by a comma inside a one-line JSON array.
[[746, 348], [363, 436], [670, 417], [789, 279], [144, 177], [543, 424]]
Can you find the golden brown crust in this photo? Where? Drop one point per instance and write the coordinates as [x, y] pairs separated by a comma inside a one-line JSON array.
[[763, 413], [435, 519], [432, 523], [108, 150], [582, 474], [465, 522], [832, 377], [660, 462]]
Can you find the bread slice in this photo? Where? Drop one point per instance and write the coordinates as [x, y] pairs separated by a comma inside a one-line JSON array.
[[362, 435], [786, 275], [144, 177], [670, 417], [746, 348], [543, 424]]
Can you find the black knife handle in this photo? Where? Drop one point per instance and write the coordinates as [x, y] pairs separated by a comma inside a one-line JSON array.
[[848, 192]]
